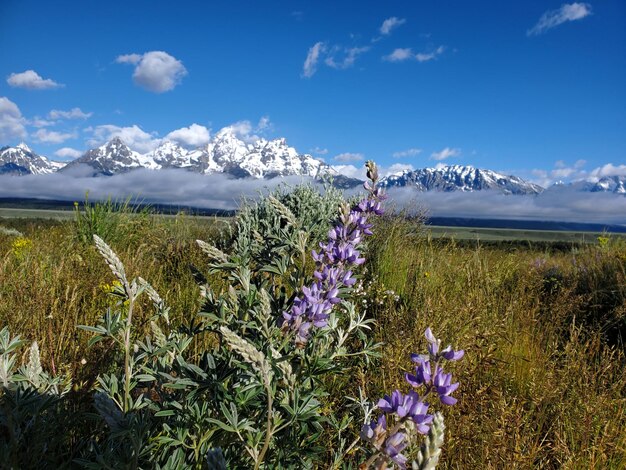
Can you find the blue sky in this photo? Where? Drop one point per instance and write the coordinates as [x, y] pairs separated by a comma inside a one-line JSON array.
[[533, 88]]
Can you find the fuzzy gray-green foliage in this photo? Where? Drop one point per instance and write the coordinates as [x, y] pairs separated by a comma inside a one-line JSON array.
[[254, 398], [31, 411], [428, 456], [286, 213]]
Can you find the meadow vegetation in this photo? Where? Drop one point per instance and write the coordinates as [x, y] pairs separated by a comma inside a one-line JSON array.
[[542, 382]]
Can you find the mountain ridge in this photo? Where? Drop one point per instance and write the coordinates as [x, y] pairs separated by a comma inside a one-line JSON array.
[[234, 155]]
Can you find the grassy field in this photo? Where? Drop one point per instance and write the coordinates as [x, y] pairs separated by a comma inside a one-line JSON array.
[[497, 234], [542, 382], [435, 231]]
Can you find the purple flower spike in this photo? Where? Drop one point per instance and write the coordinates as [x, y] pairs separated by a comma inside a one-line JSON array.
[[444, 387], [393, 446], [433, 343], [452, 355], [422, 375], [334, 260]]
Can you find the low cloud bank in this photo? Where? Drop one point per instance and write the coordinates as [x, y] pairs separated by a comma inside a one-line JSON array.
[[219, 191], [562, 206], [176, 187]]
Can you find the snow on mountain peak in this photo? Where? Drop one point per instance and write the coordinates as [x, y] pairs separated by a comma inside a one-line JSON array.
[[460, 178]]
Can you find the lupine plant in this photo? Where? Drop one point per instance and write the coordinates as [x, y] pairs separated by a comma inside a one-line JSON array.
[[272, 334], [244, 384], [405, 416], [30, 408]]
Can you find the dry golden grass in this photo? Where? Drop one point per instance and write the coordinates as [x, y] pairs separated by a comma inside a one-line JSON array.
[[542, 382]]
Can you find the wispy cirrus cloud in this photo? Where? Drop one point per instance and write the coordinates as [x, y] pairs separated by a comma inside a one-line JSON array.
[[445, 154], [155, 71], [412, 152], [74, 113], [349, 157], [336, 57], [403, 54], [390, 24], [553, 18], [347, 57], [312, 58], [319, 151]]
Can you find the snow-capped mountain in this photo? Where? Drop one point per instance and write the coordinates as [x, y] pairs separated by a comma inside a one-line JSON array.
[[112, 158], [460, 178], [225, 153], [615, 184], [21, 160]]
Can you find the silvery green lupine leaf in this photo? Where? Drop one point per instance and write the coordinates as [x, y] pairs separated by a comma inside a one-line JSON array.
[[430, 451]]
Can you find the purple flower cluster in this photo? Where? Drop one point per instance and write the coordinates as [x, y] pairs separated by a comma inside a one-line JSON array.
[[438, 382], [334, 261], [401, 408]]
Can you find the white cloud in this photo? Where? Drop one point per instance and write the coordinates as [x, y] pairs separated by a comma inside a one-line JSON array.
[[402, 54], [553, 18], [399, 55], [155, 71], [396, 168], [244, 130], [561, 172], [349, 157], [74, 113], [53, 137], [608, 170], [568, 206], [350, 171], [310, 64], [39, 122], [133, 136], [319, 151], [31, 80], [390, 23], [67, 152], [445, 153], [217, 191], [412, 152], [11, 121], [264, 124], [192, 136], [426, 56], [350, 56], [129, 59]]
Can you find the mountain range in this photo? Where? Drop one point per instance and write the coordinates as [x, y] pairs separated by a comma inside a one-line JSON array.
[[227, 153]]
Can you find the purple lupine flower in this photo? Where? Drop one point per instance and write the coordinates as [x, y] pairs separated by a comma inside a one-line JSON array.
[[452, 355], [333, 261], [433, 343], [393, 446], [376, 431], [422, 374], [409, 406], [444, 387]]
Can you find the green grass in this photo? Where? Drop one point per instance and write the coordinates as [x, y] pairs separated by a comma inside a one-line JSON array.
[[542, 383], [498, 234]]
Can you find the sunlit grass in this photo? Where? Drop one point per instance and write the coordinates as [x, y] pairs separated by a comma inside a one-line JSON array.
[[542, 382]]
